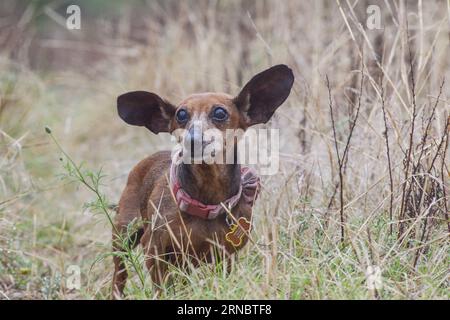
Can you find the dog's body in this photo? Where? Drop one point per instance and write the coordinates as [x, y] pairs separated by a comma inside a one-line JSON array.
[[169, 233], [148, 187]]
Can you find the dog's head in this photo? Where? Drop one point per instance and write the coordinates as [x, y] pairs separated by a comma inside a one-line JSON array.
[[197, 119]]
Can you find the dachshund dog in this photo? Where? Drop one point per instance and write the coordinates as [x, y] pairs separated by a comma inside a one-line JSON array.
[[189, 209]]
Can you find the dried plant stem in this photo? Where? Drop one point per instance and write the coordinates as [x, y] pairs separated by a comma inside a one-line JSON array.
[[341, 183], [342, 160], [424, 184], [444, 187], [407, 159], [388, 154], [427, 129]]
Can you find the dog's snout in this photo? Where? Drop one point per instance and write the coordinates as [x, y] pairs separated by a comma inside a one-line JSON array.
[[193, 141], [195, 134]]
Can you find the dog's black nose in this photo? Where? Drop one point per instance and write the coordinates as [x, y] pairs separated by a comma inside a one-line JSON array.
[[195, 134], [193, 142]]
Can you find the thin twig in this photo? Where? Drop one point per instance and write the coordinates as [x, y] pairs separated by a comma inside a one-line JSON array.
[[447, 128], [342, 160], [341, 183], [388, 154], [411, 136]]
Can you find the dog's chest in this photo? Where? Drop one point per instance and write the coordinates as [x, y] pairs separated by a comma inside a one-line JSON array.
[[196, 233], [205, 235]]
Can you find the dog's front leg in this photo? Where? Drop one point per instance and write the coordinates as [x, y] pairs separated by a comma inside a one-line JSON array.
[[156, 256]]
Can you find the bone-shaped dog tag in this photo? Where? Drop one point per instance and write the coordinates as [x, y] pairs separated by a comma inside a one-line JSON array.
[[238, 231]]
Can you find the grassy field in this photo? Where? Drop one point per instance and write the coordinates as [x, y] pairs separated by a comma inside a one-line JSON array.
[[364, 174]]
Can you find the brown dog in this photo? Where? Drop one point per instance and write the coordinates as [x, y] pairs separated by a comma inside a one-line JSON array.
[[183, 206]]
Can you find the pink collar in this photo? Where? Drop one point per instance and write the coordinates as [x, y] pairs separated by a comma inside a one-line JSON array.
[[248, 189]]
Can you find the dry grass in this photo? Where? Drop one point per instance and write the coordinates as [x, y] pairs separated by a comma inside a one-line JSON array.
[[388, 184]]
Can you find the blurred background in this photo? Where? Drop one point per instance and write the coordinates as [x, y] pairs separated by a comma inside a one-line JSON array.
[[69, 80]]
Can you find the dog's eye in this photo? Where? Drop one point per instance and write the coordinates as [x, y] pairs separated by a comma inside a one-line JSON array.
[[220, 114], [182, 116]]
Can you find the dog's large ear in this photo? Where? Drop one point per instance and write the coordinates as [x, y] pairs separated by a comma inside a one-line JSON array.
[[264, 93], [141, 108]]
